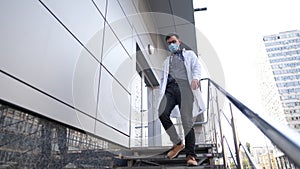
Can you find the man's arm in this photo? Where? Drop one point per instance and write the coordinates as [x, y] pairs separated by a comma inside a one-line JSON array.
[[196, 71]]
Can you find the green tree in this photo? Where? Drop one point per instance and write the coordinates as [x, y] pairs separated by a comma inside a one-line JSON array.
[[248, 147], [232, 165], [246, 164]]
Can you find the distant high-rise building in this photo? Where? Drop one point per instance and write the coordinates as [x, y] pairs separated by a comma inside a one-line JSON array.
[[280, 83], [281, 77]]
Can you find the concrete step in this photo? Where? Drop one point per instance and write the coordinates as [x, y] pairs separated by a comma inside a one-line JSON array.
[[158, 156], [173, 167], [152, 151]]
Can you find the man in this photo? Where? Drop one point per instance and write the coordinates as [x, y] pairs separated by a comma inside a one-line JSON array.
[[180, 86]]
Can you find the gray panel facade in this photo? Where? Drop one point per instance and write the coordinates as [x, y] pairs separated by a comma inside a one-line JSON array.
[[72, 61]]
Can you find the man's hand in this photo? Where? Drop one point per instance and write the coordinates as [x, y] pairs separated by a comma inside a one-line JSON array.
[[195, 84]]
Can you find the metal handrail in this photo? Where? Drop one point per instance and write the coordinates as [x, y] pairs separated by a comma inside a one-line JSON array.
[[287, 140], [207, 105]]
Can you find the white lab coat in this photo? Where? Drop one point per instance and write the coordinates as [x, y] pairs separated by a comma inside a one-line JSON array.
[[193, 69]]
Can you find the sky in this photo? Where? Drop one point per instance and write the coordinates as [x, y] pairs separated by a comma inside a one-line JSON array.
[[235, 29]]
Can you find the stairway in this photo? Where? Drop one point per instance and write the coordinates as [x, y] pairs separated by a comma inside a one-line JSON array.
[[156, 158]]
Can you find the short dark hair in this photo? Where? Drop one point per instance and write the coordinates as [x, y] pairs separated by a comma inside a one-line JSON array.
[[171, 34]]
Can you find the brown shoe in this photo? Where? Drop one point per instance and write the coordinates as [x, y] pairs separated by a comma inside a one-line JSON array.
[[175, 150], [191, 161]]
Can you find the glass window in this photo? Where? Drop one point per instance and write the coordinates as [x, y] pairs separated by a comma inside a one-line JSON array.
[[139, 118]]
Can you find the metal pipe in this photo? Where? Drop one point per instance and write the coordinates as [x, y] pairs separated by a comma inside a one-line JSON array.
[[235, 139], [220, 128], [200, 9], [207, 104]]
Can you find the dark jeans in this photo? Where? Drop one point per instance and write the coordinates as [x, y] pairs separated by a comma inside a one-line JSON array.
[[179, 94]]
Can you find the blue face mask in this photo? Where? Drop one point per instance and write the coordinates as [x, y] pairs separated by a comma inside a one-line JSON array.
[[173, 47]]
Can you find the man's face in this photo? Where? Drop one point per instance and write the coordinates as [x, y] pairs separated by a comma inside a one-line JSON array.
[[173, 39]]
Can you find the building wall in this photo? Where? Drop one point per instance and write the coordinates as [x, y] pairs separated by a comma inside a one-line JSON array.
[[269, 92], [74, 60], [264, 157], [283, 50]]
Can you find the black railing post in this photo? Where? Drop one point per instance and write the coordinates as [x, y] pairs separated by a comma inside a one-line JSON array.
[[220, 128], [236, 140]]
